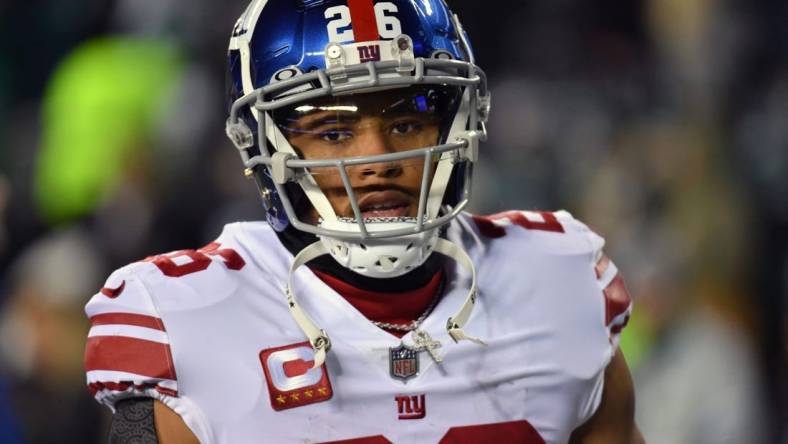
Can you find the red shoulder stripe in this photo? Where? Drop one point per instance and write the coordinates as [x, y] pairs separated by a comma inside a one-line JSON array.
[[128, 319], [124, 354]]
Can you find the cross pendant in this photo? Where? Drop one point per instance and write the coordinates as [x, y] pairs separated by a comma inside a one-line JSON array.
[[423, 342]]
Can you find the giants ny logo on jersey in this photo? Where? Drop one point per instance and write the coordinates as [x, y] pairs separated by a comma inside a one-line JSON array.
[[411, 407], [292, 382]]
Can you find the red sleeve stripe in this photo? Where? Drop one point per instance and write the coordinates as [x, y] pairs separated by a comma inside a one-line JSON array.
[[619, 324], [129, 331], [127, 319], [138, 356], [95, 387], [617, 299]]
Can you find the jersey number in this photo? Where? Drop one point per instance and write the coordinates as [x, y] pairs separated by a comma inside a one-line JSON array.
[[530, 220], [181, 263], [516, 432], [339, 29]]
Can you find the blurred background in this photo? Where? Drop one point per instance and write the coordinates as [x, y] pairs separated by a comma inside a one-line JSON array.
[[660, 123]]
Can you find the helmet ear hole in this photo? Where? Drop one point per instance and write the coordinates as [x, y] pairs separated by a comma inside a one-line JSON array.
[[286, 74], [441, 54]]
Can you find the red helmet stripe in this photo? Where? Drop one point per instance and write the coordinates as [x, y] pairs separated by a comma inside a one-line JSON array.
[[362, 16]]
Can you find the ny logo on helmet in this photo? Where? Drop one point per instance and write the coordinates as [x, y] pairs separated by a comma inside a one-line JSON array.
[[369, 53]]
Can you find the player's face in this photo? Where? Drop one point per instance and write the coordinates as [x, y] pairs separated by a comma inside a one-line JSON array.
[[366, 125]]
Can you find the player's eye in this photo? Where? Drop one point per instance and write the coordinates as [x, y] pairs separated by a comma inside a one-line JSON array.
[[335, 135], [403, 128]]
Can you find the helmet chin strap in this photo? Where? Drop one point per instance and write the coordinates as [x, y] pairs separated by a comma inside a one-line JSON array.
[[380, 258], [318, 338]]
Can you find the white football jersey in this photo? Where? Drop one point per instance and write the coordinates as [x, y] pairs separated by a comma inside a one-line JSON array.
[[208, 333]]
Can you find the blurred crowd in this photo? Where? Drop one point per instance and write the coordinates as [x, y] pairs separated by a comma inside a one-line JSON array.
[[660, 123]]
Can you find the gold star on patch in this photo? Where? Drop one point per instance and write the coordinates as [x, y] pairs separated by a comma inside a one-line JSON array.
[[308, 393], [322, 390], [294, 396], [281, 399]]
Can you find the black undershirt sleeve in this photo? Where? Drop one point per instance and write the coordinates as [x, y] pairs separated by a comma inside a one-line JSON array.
[[133, 422]]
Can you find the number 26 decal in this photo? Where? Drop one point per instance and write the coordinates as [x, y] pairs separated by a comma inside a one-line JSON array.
[[340, 18]]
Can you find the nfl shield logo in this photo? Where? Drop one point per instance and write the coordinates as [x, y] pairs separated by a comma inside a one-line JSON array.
[[403, 362]]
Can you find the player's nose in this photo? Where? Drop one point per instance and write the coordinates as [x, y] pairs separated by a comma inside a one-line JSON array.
[[374, 142]]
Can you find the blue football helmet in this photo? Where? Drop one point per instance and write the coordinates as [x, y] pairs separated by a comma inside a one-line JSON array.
[[295, 56]]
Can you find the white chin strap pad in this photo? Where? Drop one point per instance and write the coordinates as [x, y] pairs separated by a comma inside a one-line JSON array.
[[380, 258], [318, 338]]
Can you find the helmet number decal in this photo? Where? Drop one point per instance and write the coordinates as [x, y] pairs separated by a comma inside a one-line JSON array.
[[388, 25], [341, 16], [361, 21]]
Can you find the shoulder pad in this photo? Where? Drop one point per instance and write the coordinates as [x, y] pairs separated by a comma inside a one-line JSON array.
[[128, 351], [556, 231], [560, 233]]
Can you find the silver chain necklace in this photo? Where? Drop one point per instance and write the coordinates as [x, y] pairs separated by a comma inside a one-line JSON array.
[[413, 324], [416, 323], [422, 341]]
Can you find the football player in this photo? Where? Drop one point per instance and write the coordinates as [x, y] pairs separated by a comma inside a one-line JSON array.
[[370, 307]]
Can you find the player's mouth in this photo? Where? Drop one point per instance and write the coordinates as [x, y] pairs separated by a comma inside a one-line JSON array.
[[385, 204]]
